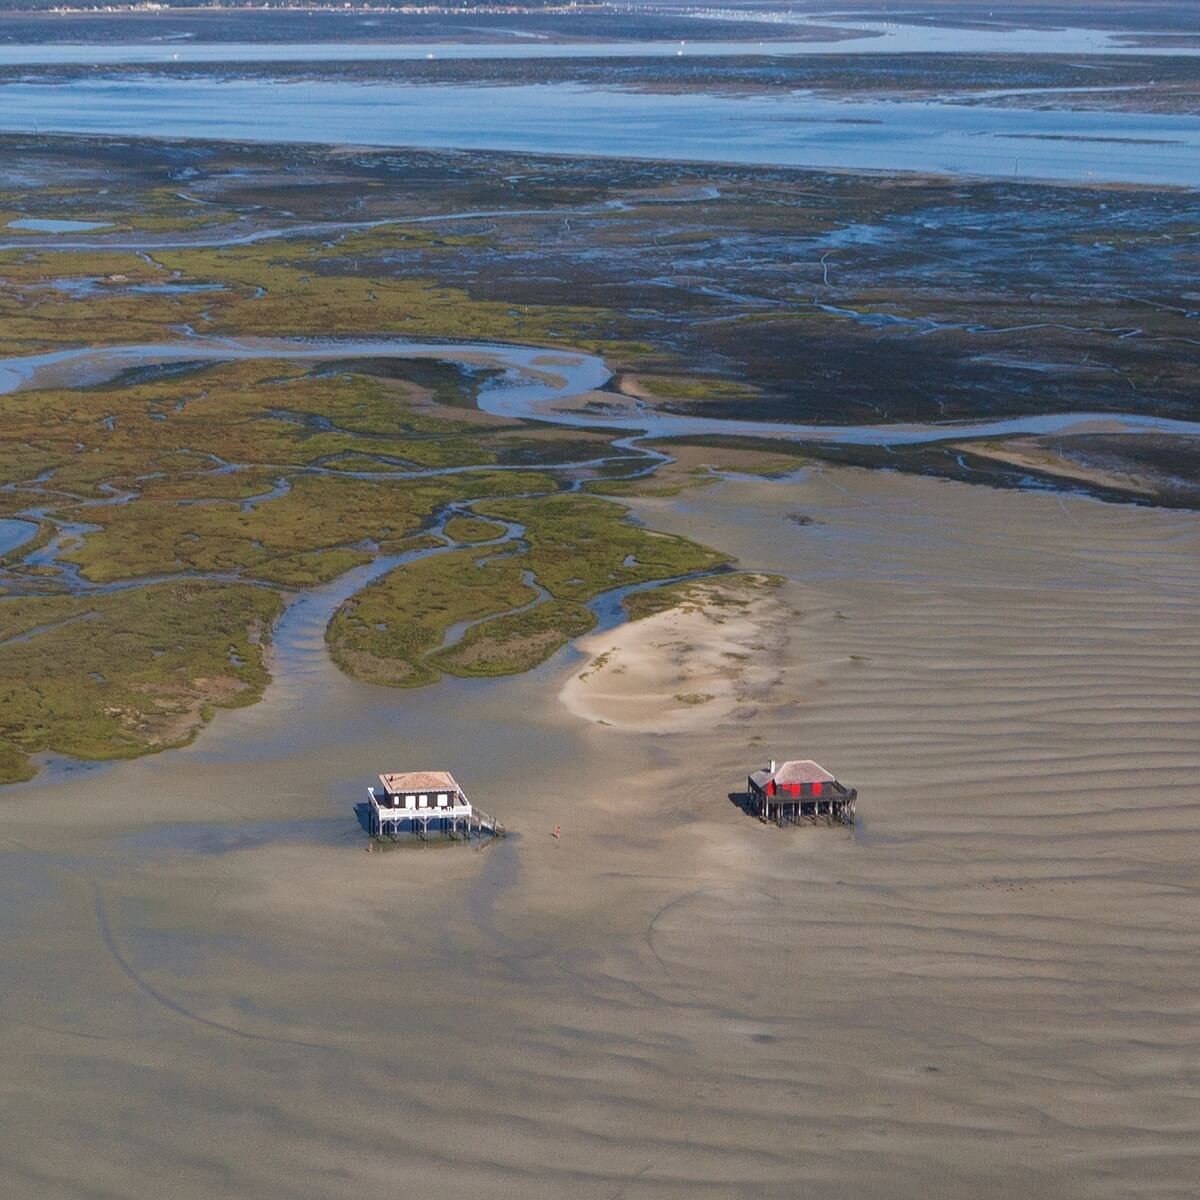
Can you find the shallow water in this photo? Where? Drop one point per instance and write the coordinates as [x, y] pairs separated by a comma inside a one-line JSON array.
[[865, 37], [791, 130], [48, 225], [14, 534], [175, 289]]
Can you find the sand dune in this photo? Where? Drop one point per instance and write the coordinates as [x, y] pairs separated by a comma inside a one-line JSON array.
[[684, 670]]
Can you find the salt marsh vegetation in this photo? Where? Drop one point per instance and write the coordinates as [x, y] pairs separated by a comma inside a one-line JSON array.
[[711, 292]]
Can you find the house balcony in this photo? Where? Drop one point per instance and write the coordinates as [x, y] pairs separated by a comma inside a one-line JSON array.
[[395, 808]]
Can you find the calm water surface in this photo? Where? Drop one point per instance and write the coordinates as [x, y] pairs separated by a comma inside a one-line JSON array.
[[792, 130], [15, 533], [856, 37], [53, 225]]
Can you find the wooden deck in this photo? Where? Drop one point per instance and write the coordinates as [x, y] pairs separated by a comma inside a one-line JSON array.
[[482, 823], [424, 824], [835, 807]]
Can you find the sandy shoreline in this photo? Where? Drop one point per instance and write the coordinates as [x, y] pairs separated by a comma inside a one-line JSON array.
[[683, 670], [1029, 453], [986, 990]]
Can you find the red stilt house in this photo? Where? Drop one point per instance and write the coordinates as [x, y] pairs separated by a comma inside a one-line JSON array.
[[800, 790]]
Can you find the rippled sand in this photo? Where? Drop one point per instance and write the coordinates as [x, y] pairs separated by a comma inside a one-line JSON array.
[[988, 990]]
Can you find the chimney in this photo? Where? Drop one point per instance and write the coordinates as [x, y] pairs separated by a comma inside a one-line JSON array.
[[771, 768]]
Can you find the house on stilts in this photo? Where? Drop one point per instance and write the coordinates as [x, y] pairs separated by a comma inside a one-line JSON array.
[[421, 802], [800, 791]]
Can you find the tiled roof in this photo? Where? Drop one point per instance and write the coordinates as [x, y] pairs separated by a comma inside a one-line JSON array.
[[798, 770], [419, 781], [802, 770]]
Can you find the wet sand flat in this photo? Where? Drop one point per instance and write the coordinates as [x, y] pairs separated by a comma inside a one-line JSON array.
[[988, 989]]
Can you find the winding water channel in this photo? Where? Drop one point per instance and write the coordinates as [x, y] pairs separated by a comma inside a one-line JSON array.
[[560, 387], [144, 243], [537, 383]]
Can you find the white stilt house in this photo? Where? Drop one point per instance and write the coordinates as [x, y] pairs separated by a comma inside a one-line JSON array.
[[418, 801]]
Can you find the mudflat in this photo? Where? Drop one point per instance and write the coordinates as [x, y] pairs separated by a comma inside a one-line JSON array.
[[986, 989]]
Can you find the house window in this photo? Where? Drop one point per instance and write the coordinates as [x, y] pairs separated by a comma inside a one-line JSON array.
[[441, 800], [409, 801], [423, 800]]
